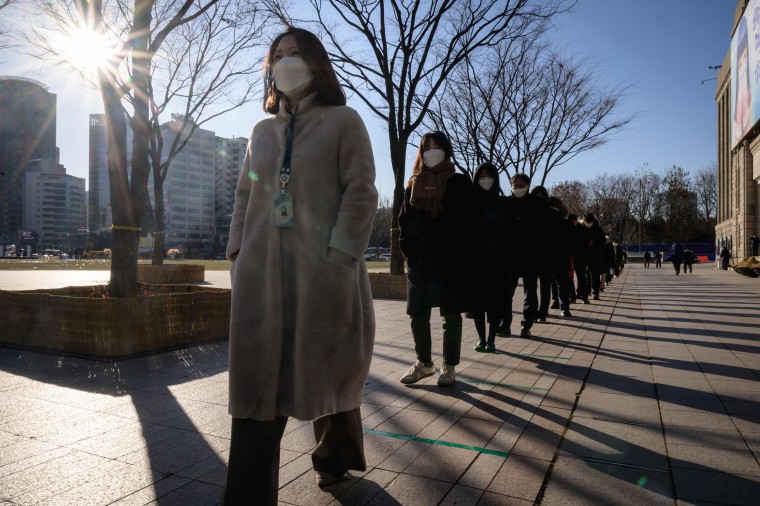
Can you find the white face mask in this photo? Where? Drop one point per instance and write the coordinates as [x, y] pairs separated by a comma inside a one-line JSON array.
[[486, 183], [291, 75], [519, 192], [433, 157]]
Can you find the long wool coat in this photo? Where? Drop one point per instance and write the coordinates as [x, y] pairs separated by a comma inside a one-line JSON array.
[[303, 326]]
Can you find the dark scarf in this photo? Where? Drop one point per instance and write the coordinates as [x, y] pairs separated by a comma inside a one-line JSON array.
[[429, 187]]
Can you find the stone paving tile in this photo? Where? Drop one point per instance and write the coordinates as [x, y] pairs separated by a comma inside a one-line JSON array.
[[696, 485], [491, 499], [364, 490], [519, 477], [616, 442], [707, 438], [460, 495], [696, 419], [193, 493], [482, 471], [154, 491], [575, 481], [403, 456], [407, 489], [713, 459], [442, 463]]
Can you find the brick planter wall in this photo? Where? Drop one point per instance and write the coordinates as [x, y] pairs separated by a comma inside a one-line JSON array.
[[67, 320], [388, 286]]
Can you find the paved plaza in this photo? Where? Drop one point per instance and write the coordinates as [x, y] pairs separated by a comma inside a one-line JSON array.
[[649, 396]]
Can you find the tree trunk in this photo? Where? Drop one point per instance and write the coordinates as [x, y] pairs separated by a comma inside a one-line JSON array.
[[398, 160], [124, 256], [159, 235]]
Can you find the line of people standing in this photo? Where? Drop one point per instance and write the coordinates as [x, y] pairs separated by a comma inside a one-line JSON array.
[[467, 246]]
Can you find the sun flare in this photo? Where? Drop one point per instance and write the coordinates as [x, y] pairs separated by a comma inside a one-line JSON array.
[[87, 50]]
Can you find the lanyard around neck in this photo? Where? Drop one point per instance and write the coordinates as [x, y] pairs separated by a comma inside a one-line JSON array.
[[285, 169]]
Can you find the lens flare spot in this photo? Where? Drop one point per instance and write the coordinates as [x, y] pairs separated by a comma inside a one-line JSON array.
[[642, 481], [253, 176]]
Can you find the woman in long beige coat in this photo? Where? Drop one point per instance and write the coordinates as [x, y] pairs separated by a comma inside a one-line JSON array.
[[302, 326]]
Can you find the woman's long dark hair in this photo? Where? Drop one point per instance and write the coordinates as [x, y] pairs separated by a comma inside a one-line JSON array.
[[324, 81], [443, 142]]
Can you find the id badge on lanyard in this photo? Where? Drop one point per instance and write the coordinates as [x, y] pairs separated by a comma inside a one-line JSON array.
[[284, 216]]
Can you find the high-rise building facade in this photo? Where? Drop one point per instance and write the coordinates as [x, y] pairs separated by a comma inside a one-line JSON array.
[[27, 137], [230, 154], [189, 190], [53, 206], [99, 215]]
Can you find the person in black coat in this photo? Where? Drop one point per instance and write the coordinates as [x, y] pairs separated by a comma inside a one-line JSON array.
[[492, 256], [688, 260], [579, 249], [596, 240], [530, 214], [435, 237], [563, 258], [610, 260], [553, 237]]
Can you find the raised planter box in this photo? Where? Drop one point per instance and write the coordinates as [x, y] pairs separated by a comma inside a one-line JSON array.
[[70, 320], [388, 286], [170, 273], [746, 271]]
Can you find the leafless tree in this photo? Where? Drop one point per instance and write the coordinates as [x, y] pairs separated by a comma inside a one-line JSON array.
[[680, 204], [381, 230], [204, 69], [574, 194], [3, 25], [528, 108], [706, 188], [396, 56], [611, 199], [141, 35]]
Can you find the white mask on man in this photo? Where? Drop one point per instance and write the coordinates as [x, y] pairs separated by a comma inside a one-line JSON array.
[[433, 157], [291, 75], [519, 192], [486, 183]]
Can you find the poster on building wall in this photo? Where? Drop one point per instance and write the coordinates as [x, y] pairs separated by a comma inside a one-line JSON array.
[[745, 73]]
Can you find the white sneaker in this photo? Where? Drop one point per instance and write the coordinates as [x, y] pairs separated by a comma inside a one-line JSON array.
[[417, 372], [447, 376]]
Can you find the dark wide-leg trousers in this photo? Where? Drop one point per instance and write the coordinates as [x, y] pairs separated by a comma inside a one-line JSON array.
[[254, 462], [452, 337]]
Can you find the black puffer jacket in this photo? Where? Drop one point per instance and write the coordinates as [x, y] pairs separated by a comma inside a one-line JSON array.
[[438, 250]]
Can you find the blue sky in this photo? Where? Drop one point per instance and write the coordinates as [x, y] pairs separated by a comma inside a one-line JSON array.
[[660, 49]]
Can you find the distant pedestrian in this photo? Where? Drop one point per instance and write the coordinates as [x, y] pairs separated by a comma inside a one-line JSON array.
[[754, 244], [658, 260], [676, 256], [595, 244], [647, 259], [688, 259], [725, 258]]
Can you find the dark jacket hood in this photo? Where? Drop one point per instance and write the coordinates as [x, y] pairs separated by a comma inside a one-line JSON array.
[[491, 170]]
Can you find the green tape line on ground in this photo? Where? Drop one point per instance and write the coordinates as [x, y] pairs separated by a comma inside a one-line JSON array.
[[435, 442], [505, 385]]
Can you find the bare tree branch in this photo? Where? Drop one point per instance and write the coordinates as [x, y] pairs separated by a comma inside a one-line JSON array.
[[397, 55]]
